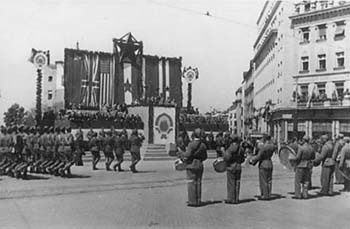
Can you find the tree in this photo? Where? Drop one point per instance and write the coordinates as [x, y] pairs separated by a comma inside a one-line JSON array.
[[14, 115]]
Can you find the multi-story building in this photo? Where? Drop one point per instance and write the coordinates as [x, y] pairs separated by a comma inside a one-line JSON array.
[[248, 101], [322, 71], [269, 77], [235, 116], [52, 86], [300, 70]]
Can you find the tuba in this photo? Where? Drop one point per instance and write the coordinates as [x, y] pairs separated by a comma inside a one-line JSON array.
[[287, 157]]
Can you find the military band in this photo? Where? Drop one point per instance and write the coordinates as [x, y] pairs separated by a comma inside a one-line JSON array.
[[47, 150]]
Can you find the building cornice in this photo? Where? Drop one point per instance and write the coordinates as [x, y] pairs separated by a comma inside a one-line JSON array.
[[324, 74], [267, 23], [320, 15], [266, 41]]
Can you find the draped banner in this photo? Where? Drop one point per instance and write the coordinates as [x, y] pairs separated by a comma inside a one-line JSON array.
[[96, 79]]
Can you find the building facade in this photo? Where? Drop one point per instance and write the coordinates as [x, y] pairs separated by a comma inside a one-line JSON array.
[[52, 87], [322, 69], [300, 70]]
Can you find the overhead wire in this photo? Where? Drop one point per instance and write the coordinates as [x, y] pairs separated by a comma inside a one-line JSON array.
[[225, 19]]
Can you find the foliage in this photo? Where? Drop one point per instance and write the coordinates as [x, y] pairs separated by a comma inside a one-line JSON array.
[[14, 115]]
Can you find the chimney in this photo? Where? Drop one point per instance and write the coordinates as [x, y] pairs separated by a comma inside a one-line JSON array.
[[77, 45]]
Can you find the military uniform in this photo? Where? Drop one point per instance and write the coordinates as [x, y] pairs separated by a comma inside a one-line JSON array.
[[339, 179], [108, 150], [94, 146], [344, 164], [304, 157], [265, 168], [119, 149], [79, 139], [194, 156], [328, 165], [135, 146], [234, 156]]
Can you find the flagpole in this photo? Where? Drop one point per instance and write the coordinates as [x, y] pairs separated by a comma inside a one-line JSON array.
[[38, 96]]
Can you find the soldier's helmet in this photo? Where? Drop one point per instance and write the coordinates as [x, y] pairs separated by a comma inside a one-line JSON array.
[[69, 129], [57, 129]]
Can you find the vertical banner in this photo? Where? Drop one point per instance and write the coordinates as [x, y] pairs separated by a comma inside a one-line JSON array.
[[167, 79], [143, 77], [160, 76], [127, 83]]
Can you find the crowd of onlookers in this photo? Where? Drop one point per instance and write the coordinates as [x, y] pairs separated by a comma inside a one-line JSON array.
[[117, 114], [321, 97]]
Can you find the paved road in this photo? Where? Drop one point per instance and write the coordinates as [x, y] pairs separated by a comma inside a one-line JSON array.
[[156, 198]]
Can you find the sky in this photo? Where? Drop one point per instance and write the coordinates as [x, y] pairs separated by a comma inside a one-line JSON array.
[[220, 46]]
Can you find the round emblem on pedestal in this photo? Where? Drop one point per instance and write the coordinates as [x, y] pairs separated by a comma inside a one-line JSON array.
[[40, 60], [164, 125]]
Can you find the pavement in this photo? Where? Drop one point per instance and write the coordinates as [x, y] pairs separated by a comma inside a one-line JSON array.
[[156, 197]]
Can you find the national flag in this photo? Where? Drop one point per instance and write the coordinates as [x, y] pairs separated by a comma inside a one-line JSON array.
[[105, 82]]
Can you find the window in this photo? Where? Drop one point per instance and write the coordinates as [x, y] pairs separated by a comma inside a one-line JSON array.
[[322, 32], [321, 62], [340, 30], [305, 63], [339, 86], [49, 94], [340, 59], [321, 88], [304, 90], [305, 35], [50, 78], [307, 7]]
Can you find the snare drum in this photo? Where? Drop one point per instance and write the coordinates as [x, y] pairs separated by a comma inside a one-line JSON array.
[[219, 165], [180, 165]]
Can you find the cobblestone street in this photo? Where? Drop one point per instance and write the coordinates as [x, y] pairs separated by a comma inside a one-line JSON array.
[[156, 197]]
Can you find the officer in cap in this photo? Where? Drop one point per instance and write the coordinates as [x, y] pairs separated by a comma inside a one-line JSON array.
[[303, 160], [194, 156], [328, 164]]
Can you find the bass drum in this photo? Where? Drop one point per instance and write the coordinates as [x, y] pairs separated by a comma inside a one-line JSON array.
[[219, 165], [287, 157], [180, 165]]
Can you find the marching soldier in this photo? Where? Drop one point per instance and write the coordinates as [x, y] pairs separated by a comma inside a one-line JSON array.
[[79, 152], [194, 156], [90, 134], [68, 151], [119, 147], [339, 179], [135, 146], [108, 150], [304, 157], [327, 165], [234, 156], [265, 166], [94, 146], [344, 163]]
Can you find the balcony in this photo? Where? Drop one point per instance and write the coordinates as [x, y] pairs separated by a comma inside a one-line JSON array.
[[325, 104]]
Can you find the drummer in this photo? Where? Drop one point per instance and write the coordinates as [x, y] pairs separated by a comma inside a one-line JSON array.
[[234, 156], [304, 157]]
